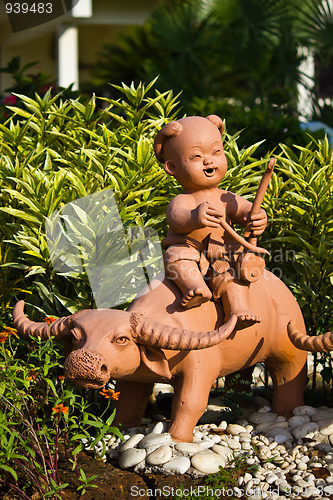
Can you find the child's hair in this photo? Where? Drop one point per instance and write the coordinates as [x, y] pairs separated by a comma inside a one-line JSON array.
[[173, 129]]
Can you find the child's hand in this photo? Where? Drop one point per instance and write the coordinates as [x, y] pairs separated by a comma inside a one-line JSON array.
[[206, 215], [258, 222]]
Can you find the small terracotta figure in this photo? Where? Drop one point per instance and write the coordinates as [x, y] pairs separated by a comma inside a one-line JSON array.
[[197, 245]]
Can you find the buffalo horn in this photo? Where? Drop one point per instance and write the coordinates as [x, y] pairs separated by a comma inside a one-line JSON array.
[[59, 329], [320, 343], [154, 334]]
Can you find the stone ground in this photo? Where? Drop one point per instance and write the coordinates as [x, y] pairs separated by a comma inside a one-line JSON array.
[[114, 483]]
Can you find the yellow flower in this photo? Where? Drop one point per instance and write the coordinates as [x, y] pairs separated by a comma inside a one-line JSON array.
[[110, 393], [60, 408]]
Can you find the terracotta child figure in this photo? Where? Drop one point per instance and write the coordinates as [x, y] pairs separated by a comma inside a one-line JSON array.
[[196, 245]]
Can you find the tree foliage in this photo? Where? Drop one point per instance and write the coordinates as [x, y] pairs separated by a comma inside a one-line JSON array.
[[240, 57]]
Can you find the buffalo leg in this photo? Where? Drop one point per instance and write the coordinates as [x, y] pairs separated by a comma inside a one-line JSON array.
[[133, 400], [289, 382], [189, 403]]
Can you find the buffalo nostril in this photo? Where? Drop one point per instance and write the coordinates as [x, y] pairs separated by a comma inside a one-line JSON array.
[[104, 368]]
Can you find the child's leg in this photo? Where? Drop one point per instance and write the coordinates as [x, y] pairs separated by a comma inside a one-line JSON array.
[[187, 276]]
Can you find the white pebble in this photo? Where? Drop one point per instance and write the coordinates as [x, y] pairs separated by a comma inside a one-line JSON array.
[[207, 463], [284, 487], [207, 441], [233, 444], [215, 438], [247, 477], [264, 453], [178, 465], [131, 442], [189, 448], [159, 428], [298, 420], [154, 438], [223, 451], [160, 456], [305, 410], [131, 457], [322, 415], [328, 490], [325, 427], [304, 430], [278, 431], [235, 429], [271, 478], [265, 409], [238, 492]]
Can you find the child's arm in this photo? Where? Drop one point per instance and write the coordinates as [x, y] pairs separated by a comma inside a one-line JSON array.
[[239, 210], [184, 215]]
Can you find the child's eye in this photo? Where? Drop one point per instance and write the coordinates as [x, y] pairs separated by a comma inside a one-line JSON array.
[[217, 151], [195, 156]]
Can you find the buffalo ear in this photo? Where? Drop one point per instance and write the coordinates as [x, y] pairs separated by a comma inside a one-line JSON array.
[[155, 360]]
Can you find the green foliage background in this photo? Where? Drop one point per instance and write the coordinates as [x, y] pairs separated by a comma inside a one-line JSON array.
[[55, 151]]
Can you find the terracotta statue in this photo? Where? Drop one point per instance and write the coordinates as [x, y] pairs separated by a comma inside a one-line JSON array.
[[163, 337], [157, 340], [201, 256], [316, 343]]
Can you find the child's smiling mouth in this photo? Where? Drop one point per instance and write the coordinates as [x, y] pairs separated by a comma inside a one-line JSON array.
[[209, 172]]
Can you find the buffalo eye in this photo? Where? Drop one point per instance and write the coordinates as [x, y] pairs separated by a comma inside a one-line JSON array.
[[121, 340], [76, 335]]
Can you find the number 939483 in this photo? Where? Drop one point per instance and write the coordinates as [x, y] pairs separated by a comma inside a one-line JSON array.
[[25, 8]]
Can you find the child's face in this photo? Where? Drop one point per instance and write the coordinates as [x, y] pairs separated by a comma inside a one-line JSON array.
[[196, 157]]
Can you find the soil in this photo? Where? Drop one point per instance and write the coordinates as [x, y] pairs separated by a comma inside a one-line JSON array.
[[116, 484]]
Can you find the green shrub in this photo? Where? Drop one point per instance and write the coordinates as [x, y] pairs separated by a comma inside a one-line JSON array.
[[300, 236], [56, 151], [39, 415]]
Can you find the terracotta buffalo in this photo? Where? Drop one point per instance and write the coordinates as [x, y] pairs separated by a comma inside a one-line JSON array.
[[157, 340]]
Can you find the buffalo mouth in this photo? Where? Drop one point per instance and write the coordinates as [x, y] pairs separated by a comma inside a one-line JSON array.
[[86, 383], [86, 368]]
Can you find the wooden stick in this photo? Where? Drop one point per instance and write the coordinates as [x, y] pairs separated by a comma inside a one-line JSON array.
[[260, 196]]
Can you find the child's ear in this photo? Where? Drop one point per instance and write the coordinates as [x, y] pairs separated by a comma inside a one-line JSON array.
[[169, 167]]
